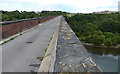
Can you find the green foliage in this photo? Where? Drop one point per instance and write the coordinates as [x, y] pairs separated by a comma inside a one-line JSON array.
[[16, 15], [109, 25], [95, 39], [98, 39], [88, 29], [12, 38], [96, 28], [108, 42], [41, 58], [45, 49], [49, 13], [88, 39], [109, 34], [116, 40]]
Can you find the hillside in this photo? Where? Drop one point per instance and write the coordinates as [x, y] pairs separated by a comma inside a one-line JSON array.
[[98, 29]]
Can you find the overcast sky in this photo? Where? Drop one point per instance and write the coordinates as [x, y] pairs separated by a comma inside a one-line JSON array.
[[81, 6]]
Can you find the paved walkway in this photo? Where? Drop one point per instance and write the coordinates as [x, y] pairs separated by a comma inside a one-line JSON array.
[[22, 53]]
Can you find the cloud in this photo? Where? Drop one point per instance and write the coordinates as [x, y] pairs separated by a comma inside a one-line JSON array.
[[119, 6], [64, 5]]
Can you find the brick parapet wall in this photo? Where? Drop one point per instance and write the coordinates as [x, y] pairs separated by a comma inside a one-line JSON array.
[[10, 28]]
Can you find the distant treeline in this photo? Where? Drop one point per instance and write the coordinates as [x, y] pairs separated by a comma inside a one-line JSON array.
[[49, 13], [97, 29], [17, 15]]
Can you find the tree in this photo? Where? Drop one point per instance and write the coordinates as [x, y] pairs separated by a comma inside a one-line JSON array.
[[108, 42], [109, 34], [116, 40], [88, 39], [98, 39], [88, 29], [96, 28], [5, 17], [109, 25], [16, 15]]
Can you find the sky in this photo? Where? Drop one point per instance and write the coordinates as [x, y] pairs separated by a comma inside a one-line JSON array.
[[74, 6]]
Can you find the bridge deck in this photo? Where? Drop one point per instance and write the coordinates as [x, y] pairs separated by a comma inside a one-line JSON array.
[[71, 55], [22, 54]]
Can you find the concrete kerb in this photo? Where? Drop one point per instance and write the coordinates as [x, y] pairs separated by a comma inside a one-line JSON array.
[[47, 64]]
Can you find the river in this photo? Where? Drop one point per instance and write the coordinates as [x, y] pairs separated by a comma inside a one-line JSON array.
[[106, 59]]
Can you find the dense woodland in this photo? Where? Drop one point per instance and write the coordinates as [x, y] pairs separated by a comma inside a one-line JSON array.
[[49, 13], [98, 29], [17, 15]]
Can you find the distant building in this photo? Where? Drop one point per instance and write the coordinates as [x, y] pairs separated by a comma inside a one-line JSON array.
[[104, 12]]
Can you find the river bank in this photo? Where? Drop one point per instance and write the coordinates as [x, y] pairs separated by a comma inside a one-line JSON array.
[[101, 46]]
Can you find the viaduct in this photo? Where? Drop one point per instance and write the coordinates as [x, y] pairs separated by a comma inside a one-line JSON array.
[[45, 44]]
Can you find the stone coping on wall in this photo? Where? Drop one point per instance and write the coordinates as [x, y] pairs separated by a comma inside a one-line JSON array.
[[71, 55], [9, 22], [21, 20]]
